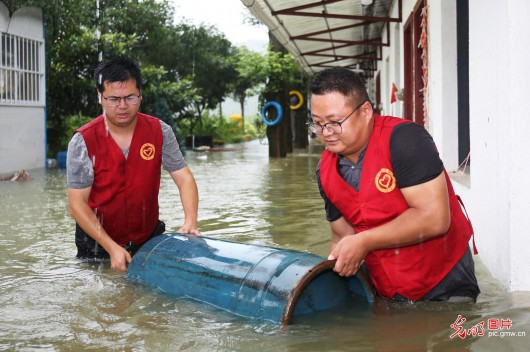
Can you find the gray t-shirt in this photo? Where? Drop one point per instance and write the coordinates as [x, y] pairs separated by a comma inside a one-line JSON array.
[[80, 169]]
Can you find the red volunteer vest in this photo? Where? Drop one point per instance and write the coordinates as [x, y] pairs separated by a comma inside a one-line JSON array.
[[124, 194], [411, 271]]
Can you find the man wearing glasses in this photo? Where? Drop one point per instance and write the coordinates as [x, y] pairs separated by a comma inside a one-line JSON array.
[[113, 171], [387, 197]]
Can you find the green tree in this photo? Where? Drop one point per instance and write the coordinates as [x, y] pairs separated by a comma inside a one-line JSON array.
[[70, 48], [206, 59], [150, 21], [251, 69], [186, 69], [283, 75], [166, 99]]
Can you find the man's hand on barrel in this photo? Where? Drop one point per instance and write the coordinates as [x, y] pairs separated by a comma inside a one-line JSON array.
[[349, 252], [189, 228], [119, 258]]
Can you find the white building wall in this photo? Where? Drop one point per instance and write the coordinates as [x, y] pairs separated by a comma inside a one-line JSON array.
[[396, 36], [500, 121], [519, 102], [22, 138], [22, 128], [390, 68], [443, 96], [489, 120], [495, 193], [443, 85]]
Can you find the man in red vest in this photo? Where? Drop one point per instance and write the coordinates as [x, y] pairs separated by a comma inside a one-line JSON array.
[[388, 198], [113, 171]]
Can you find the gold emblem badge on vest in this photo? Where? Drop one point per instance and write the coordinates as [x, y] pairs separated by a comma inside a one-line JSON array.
[[385, 181], [147, 151]]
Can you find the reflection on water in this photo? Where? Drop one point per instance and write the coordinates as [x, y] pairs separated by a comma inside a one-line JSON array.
[[50, 301]]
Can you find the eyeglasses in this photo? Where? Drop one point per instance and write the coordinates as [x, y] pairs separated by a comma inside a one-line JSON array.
[[332, 126], [129, 100]]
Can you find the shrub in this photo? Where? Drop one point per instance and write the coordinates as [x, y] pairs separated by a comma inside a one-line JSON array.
[[223, 130], [72, 123]]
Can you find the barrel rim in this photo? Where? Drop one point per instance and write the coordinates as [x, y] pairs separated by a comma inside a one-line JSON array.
[[304, 281], [326, 265]]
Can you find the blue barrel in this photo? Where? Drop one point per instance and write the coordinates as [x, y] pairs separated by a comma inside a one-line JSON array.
[[253, 281], [61, 160]]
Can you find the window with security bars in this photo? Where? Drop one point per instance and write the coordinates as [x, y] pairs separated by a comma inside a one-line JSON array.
[[21, 70]]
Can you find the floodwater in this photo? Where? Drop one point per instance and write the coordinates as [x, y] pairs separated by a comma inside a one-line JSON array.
[[49, 301]]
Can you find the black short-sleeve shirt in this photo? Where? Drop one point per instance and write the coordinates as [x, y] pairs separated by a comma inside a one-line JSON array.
[[414, 158]]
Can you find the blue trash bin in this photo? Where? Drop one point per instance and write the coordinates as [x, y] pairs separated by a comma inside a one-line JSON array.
[[61, 160], [253, 281]]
